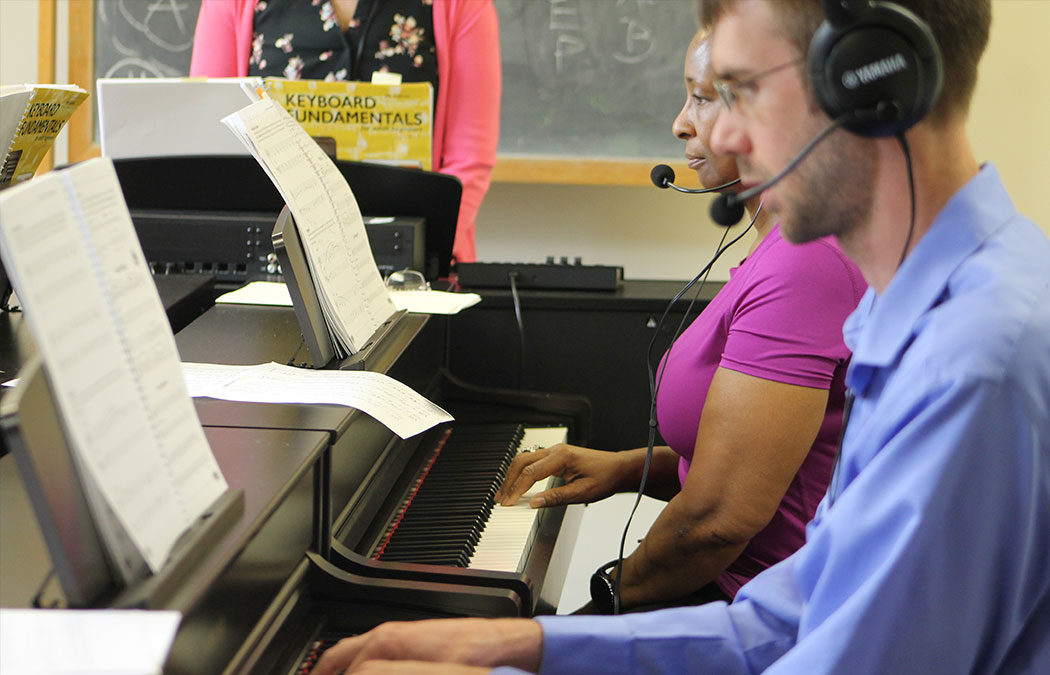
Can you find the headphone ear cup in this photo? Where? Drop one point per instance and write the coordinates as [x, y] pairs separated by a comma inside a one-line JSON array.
[[881, 71]]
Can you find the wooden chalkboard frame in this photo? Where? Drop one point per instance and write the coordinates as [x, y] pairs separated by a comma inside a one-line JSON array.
[[509, 169], [81, 126], [45, 59]]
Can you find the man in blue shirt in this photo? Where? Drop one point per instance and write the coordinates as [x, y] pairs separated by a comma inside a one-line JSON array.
[[931, 551]]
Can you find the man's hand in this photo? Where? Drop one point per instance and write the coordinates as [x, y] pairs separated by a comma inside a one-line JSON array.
[[590, 475], [483, 643]]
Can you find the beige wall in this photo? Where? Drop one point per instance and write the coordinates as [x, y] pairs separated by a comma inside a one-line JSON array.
[[18, 41], [1010, 116], [660, 234]]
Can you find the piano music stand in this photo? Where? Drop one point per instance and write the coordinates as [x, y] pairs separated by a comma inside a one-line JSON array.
[[86, 572], [289, 249], [226, 183]]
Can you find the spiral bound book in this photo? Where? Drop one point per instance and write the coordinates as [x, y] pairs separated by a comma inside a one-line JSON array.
[[71, 253]]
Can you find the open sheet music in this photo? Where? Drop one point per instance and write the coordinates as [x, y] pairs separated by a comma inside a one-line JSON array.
[[69, 246], [353, 297]]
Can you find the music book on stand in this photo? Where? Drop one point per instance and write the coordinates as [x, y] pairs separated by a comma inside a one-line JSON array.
[[112, 382], [336, 287]]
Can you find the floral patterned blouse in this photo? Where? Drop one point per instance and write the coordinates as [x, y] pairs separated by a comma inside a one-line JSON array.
[[301, 39]]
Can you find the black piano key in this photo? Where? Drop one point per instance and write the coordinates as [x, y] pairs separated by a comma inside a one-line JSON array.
[[444, 515]]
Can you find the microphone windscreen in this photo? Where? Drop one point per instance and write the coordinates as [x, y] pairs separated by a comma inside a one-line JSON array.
[[662, 175], [727, 210]]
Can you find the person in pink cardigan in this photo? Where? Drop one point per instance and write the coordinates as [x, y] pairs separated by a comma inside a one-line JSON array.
[[454, 44]]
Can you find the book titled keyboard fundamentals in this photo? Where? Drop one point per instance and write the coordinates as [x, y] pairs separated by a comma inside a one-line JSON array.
[[362, 121], [31, 116]]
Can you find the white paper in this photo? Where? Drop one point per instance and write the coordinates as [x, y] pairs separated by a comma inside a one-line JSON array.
[[275, 293], [111, 641], [433, 302], [392, 403], [207, 379], [351, 291]]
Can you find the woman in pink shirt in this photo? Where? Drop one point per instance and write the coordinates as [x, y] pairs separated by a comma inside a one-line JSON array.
[[750, 402], [454, 44]]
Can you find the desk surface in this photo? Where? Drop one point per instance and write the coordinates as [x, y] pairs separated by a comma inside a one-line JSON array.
[[183, 296]]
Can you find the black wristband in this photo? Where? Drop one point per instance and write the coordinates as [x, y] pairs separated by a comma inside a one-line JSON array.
[[603, 588]]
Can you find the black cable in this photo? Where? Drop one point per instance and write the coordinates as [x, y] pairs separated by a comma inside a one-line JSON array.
[[702, 273], [903, 140], [513, 278], [654, 386], [833, 487]]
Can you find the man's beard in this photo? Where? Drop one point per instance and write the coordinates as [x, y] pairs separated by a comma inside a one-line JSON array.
[[831, 192]]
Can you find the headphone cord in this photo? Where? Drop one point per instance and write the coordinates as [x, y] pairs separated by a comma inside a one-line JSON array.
[[513, 279], [903, 140], [654, 386]]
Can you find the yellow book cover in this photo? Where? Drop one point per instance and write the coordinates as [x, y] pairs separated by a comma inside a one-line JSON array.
[[362, 121], [50, 107]]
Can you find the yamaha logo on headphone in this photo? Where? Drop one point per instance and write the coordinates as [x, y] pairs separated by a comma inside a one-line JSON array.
[[851, 79], [875, 65]]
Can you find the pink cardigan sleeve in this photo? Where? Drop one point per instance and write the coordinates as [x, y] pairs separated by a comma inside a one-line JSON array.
[[222, 41], [467, 119]]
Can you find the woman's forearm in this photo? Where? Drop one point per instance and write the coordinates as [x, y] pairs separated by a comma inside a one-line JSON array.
[[681, 554], [662, 481]]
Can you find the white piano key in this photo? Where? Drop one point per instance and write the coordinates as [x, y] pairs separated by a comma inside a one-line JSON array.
[[508, 533]]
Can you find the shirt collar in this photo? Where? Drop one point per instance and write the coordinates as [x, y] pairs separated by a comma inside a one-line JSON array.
[[881, 326]]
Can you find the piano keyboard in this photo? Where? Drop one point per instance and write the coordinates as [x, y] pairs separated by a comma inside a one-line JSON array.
[[449, 516]]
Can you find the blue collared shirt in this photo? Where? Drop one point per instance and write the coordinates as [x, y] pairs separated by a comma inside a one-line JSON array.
[[931, 552]]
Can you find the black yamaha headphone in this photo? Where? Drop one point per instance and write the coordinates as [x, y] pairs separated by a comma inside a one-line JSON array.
[[876, 64]]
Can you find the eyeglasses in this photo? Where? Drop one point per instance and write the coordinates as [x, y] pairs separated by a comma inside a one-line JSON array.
[[407, 280], [729, 90]]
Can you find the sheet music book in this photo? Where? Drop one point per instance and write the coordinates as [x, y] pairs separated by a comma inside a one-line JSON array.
[[69, 246], [31, 117], [353, 297]]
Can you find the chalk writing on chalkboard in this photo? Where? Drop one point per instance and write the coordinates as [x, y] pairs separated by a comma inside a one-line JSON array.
[[144, 38], [593, 77]]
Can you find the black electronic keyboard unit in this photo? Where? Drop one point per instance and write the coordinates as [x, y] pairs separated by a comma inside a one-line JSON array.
[[549, 275], [235, 246]]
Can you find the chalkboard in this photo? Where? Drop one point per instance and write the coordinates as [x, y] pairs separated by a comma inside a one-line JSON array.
[[581, 78], [593, 77], [136, 38]]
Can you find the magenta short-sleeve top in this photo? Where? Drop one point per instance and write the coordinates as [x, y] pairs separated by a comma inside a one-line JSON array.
[[779, 317]]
